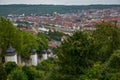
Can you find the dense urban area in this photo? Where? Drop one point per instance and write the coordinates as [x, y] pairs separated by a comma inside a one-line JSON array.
[[76, 44], [67, 23]]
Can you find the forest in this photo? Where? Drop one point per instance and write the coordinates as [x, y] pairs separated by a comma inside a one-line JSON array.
[[87, 55], [47, 9]]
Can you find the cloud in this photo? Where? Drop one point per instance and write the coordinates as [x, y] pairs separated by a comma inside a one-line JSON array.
[[64, 2]]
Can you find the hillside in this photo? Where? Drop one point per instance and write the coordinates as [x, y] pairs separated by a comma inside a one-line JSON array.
[[46, 9]]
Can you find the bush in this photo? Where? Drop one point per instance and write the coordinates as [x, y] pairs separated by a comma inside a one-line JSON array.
[[17, 74], [3, 74], [10, 66], [31, 73]]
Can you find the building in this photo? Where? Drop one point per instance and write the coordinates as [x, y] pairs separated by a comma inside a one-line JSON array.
[[34, 57], [11, 56]]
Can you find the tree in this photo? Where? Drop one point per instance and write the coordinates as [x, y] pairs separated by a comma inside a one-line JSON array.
[[3, 74], [112, 67], [9, 35], [17, 74], [75, 55], [42, 41], [82, 50], [93, 73], [23, 42], [48, 69], [29, 42], [55, 35], [10, 66], [107, 40], [32, 73]]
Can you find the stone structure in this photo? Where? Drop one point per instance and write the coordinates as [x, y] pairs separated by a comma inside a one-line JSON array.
[[45, 57], [11, 55], [34, 57], [49, 53]]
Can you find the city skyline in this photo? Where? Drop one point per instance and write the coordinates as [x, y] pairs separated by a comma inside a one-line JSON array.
[[61, 2]]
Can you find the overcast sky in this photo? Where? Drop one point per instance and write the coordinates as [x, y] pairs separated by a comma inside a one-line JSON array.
[[60, 2]]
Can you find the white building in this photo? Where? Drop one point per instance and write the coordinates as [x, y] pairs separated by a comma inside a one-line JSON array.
[[34, 57], [44, 55], [49, 53], [11, 55]]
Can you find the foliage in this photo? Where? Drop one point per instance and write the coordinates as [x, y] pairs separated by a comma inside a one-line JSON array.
[[3, 74], [42, 40], [94, 73], [107, 39], [112, 67], [23, 42], [114, 60], [47, 9], [47, 68], [17, 74], [29, 42], [79, 54], [93, 55], [55, 35], [9, 35], [76, 54], [31, 73], [9, 66]]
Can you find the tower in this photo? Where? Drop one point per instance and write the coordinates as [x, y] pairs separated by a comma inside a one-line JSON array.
[[44, 55], [49, 53], [34, 57], [11, 55]]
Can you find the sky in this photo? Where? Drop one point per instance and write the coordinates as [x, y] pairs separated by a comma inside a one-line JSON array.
[[61, 2]]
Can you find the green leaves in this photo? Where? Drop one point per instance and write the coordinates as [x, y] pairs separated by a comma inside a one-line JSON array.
[[107, 39], [93, 73], [8, 35], [79, 54], [10, 66], [31, 73], [29, 42], [42, 41], [23, 42], [17, 74], [76, 54], [3, 74]]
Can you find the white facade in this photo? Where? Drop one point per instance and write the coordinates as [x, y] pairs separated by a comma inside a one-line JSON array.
[[11, 58], [45, 56], [34, 59], [50, 54]]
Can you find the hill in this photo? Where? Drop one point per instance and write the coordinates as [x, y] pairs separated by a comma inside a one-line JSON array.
[[47, 9]]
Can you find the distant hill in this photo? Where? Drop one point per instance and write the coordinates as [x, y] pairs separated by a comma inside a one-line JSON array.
[[46, 9]]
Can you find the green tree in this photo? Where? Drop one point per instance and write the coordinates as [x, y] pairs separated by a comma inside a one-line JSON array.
[[75, 55], [55, 35], [29, 41], [32, 73], [17, 74], [10, 66], [93, 73], [48, 69], [42, 41], [23, 42], [3, 74], [107, 40], [112, 67], [9, 35]]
